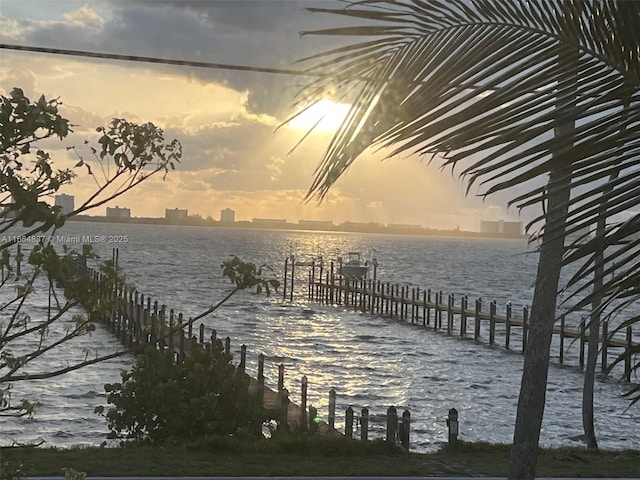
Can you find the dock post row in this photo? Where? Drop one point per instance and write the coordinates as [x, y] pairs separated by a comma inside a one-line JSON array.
[[415, 305]]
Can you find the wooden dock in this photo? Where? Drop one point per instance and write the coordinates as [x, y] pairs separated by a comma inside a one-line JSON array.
[[456, 316], [137, 322]]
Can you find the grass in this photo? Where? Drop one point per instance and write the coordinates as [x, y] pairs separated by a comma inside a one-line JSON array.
[[308, 457]]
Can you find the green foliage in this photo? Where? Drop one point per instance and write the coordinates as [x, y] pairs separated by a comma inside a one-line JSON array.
[[10, 469], [127, 154], [248, 275], [27, 175], [162, 401]]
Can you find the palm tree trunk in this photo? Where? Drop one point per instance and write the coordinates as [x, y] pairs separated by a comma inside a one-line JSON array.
[[524, 452], [594, 343], [594, 323]]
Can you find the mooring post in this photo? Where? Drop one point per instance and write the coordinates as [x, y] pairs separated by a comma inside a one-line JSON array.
[[405, 427], [476, 323], [451, 299], [364, 424], [201, 334], [452, 423], [507, 338], [562, 320], [284, 283], [303, 401], [18, 260], [227, 346], [348, 423], [392, 424], [492, 323], [525, 320], [280, 377], [605, 345], [243, 358], [261, 378], [293, 277], [463, 316], [332, 408], [171, 325], [627, 358], [583, 339]]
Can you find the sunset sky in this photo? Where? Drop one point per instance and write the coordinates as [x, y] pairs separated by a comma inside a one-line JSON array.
[[226, 120]]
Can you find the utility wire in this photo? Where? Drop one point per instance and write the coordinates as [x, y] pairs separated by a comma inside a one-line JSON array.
[[166, 61]]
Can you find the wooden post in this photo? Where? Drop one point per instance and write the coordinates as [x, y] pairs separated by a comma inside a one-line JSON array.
[[261, 378], [440, 303], [392, 424], [181, 353], [452, 423], [450, 300], [293, 278], [424, 309], [201, 334], [284, 283], [332, 288], [243, 358], [561, 355], [227, 346], [280, 377], [583, 338], [303, 401], [171, 325], [507, 338], [19, 260], [332, 408], [404, 429], [463, 316], [364, 424], [348, 423], [310, 287], [525, 320], [476, 333], [492, 323]]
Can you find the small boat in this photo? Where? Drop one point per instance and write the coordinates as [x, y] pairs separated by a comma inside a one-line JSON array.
[[353, 267]]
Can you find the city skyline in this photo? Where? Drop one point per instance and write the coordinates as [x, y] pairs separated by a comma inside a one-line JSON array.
[[234, 152]]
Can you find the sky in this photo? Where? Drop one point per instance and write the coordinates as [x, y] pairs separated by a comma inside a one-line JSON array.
[[234, 154]]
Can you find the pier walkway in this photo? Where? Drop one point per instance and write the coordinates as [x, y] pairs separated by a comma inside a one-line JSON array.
[[446, 313]]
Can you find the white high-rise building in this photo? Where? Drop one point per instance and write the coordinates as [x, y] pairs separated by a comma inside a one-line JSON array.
[[66, 203], [227, 215]]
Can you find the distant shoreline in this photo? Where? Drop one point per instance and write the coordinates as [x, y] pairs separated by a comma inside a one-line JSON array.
[[343, 228]]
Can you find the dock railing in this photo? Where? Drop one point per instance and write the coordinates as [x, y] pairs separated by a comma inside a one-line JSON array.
[[458, 315]]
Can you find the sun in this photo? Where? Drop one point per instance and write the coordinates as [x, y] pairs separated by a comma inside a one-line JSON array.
[[325, 115]]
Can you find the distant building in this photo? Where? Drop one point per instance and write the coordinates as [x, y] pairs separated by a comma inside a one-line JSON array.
[[316, 223], [176, 214], [404, 226], [227, 215], [502, 228], [269, 221], [65, 202], [118, 212]]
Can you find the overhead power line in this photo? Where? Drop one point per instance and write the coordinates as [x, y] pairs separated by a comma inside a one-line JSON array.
[[165, 61]]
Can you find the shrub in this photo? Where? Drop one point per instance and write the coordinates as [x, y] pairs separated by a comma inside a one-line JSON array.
[[160, 400]]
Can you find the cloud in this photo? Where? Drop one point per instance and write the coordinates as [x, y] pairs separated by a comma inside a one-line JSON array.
[[84, 17]]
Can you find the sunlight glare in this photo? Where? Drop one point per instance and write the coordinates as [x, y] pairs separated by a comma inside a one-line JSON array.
[[329, 115]]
